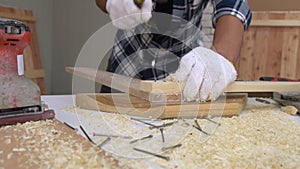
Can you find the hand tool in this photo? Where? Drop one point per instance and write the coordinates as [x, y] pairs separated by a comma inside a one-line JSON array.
[[277, 79], [139, 3], [20, 97], [290, 101]]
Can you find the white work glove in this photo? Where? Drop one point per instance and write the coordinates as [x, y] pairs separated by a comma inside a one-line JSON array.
[[205, 74], [126, 15]]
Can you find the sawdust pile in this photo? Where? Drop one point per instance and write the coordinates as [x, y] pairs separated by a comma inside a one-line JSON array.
[[44, 144], [264, 138]]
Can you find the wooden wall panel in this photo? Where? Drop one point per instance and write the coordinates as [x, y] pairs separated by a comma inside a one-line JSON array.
[[289, 52], [246, 58], [32, 59], [298, 61], [274, 5], [273, 65], [271, 46]]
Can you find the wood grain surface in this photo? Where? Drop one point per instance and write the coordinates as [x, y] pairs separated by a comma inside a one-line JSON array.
[[271, 46], [161, 91], [121, 103]]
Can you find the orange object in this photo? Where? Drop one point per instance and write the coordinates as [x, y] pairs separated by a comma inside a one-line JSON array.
[[20, 97]]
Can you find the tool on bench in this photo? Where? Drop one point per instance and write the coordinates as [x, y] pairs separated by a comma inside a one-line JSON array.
[[139, 3], [288, 103], [20, 97], [277, 79], [290, 100]]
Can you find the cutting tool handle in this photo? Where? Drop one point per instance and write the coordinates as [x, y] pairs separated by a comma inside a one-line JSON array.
[[276, 79], [139, 3]]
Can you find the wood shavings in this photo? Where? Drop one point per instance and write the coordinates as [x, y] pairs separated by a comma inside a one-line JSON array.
[[292, 110], [18, 149], [263, 138], [48, 145], [7, 141], [95, 122]]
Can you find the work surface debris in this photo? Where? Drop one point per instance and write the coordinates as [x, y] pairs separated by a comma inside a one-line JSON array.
[[262, 137], [48, 144]]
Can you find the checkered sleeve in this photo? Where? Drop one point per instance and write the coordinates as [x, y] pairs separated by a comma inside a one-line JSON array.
[[238, 8]]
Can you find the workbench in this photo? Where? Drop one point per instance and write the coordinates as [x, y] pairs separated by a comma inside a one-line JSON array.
[[194, 151], [59, 102]]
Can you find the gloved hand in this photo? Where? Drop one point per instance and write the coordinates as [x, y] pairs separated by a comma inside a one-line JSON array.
[[126, 15], [205, 74]]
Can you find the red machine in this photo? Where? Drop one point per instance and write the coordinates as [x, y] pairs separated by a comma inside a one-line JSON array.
[[20, 97]]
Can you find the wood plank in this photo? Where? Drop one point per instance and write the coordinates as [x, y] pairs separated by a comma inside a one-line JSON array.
[[126, 84], [274, 52], [275, 23], [34, 74], [298, 59], [246, 61], [290, 53], [260, 52], [17, 17], [261, 86], [274, 47], [121, 103], [141, 88], [296, 16]]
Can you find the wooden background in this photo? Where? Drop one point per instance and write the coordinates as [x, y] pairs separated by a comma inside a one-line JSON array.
[[274, 5], [271, 46]]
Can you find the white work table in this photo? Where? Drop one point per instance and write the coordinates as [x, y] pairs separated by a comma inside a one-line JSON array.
[[61, 103], [57, 103]]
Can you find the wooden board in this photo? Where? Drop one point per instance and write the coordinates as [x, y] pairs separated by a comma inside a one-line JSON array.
[[135, 87], [23, 144], [231, 105], [271, 46], [160, 91], [32, 60]]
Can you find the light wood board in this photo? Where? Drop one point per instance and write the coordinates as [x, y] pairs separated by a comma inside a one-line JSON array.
[[160, 91], [121, 103]]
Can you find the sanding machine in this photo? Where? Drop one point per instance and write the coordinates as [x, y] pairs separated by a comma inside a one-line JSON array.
[[20, 97]]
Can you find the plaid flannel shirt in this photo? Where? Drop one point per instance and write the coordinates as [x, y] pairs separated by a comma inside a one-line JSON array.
[[153, 50]]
